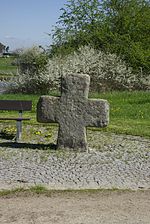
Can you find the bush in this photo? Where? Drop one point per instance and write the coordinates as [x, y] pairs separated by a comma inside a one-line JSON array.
[[32, 60], [107, 71], [31, 77]]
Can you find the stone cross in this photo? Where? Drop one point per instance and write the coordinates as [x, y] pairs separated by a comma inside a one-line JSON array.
[[73, 111]]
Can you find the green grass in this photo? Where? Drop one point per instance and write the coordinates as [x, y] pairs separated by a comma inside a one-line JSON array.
[[6, 67], [129, 111], [42, 190], [34, 190]]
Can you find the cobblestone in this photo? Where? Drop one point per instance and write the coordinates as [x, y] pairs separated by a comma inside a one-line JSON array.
[[111, 165]]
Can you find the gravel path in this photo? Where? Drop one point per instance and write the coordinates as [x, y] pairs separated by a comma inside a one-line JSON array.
[[113, 161]]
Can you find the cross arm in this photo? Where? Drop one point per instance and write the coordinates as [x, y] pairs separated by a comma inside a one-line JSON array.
[[97, 113], [47, 109]]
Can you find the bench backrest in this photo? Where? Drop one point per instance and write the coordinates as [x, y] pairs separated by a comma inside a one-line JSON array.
[[18, 105]]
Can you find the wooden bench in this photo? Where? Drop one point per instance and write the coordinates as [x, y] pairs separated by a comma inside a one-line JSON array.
[[16, 105]]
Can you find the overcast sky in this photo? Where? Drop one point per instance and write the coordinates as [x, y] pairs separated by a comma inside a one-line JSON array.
[[26, 22]]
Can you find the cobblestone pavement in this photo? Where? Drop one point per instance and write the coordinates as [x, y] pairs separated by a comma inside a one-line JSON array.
[[113, 161]]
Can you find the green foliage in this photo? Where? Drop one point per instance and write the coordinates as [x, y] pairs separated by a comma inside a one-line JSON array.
[[8, 133], [107, 71], [77, 15], [32, 60], [31, 77], [78, 19], [120, 27], [129, 28]]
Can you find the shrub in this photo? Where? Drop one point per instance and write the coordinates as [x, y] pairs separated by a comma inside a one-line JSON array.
[[32, 60], [107, 71], [32, 76]]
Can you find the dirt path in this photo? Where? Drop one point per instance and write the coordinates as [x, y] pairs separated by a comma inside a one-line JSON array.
[[109, 207]]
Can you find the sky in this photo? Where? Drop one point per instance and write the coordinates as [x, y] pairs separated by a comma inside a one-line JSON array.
[[24, 23]]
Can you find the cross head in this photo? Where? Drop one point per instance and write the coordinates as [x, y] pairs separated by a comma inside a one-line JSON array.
[[73, 111]]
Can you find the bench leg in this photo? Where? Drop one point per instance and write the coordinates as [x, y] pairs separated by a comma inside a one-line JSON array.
[[19, 131]]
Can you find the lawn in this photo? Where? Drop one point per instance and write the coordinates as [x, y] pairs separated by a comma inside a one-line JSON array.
[[129, 111], [6, 67]]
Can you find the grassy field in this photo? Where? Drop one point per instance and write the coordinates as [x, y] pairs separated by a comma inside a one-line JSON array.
[[129, 111], [6, 67]]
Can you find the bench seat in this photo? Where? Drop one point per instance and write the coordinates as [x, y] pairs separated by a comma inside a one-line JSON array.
[[14, 118]]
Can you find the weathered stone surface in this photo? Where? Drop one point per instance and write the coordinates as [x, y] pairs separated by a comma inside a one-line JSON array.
[[73, 111]]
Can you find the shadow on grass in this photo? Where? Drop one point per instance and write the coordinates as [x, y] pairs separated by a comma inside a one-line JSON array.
[[20, 145]]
